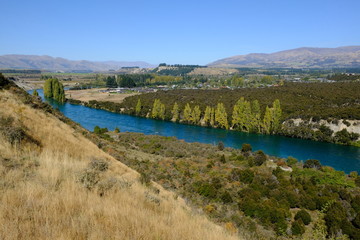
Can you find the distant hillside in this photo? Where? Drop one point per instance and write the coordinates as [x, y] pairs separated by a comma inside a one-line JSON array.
[[341, 57], [62, 64]]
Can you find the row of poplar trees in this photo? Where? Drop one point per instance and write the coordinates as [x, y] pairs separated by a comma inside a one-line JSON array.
[[246, 116], [54, 89]]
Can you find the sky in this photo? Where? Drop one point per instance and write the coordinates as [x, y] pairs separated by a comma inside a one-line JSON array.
[[173, 32]]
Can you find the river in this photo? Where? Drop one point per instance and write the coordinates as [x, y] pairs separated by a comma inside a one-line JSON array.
[[344, 158]]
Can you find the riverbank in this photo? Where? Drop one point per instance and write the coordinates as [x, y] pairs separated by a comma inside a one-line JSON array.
[[343, 132]]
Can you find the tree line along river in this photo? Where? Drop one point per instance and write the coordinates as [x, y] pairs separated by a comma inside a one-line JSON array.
[[340, 157]]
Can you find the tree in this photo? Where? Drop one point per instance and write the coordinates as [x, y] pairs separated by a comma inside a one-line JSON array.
[[255, 117], [242, 117], [267, 122], [3, 80], [221, 116], [238, 114], [175, 112], [54, 89], [35, 93], [304, 216], [126, 81], [297, 227], [187, 113], [237, 81], [267, 80], [260, 158], [246, 147], [212, 117], [138, 107], [158, 110], [207, 115], [196, 114], [247, 117], [276, 116], [111, 82], [312, 163], [48, 89]]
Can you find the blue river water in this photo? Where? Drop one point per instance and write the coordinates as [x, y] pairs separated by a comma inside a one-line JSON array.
[[344, 158]]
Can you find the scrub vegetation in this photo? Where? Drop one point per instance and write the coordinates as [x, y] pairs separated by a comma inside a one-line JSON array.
[[56, 184], [271, 197]]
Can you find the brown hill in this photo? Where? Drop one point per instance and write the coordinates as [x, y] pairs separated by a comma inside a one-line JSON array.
[[341, 57], [56, 184], [62, 64]]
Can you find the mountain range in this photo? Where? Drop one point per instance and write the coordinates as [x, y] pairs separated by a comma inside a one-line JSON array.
[[306, 57], [62, 64]]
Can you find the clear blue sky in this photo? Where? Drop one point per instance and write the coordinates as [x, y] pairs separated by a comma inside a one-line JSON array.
[[186, 32]]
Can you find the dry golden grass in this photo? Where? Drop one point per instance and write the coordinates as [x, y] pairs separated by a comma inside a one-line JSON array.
[[41, 196], [94, 94]]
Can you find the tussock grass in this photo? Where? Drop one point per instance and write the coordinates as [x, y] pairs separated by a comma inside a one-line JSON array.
[[41, 196]]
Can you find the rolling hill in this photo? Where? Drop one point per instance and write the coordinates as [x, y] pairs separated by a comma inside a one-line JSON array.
[[62, 64], [306, 57]]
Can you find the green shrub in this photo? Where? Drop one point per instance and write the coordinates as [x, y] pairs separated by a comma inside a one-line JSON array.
[[357, 181], [245, 176], [145, 179], [117, 130], [297, 227], [221, 146], [291, 161], [304, 216], [246, 147], [222, 159], [260, 158], [3, 80], [226, 197], [356, 221], [207, 190], [312, 163], [99, 130]]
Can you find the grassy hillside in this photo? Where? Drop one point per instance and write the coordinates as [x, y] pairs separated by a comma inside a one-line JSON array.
[[56, 184]]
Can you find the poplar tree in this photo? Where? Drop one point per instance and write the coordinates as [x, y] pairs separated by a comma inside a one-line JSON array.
[[267, 122], [276, 117], [196, 114], [138, 107], [162, 111], [221, 116], [158, 110], [175, 112], [247, 116], [256, 116], [238, 114], [54, 89], [187, 113], [212, 117], [207, 115], [48, 89]]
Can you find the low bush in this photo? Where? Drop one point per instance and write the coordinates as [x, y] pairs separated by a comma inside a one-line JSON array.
[[297, 227], [99, 165], [304, 216]]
